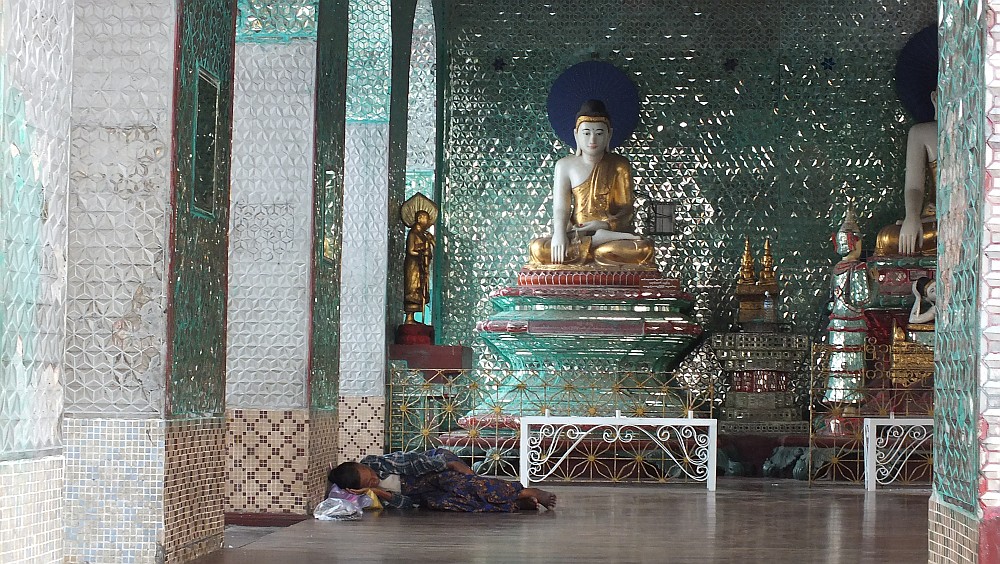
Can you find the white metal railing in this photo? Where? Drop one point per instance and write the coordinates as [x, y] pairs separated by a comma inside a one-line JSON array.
[[689, 443], [888, 452]]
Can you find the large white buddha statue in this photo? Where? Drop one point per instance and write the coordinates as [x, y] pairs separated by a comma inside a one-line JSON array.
[[916, 234], [594, 187]]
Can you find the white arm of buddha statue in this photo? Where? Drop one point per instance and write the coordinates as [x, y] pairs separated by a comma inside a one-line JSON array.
[[921, 148], [561, 203]]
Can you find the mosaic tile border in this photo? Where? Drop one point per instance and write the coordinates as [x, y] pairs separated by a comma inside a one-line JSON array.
[[322, 454], [362, 427], [278, 461], [952, 536], [31, 509], [194, 487], [114, 503], [267, 460]]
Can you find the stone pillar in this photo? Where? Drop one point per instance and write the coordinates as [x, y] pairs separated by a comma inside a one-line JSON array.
[[35, 74], [143, 425], [267, 405]]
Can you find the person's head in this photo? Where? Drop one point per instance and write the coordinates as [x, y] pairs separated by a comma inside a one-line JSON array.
[[926, 289], [593, 128], [353, 476]]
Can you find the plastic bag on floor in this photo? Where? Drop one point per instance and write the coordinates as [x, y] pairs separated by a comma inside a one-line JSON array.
[[337, 509], [361, 499]]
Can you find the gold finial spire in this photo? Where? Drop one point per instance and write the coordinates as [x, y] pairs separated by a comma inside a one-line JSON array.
[[747, 273], [767, 264]]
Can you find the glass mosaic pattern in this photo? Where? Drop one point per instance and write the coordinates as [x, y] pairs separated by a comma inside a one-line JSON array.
[[990, 280], [271, 207], [268, 21], [368, 60], [34, 171], [120, 173], [328, 199], [421, 121], [31, 510], [364, 264], [199, 265], [960, 213], [757, 118]]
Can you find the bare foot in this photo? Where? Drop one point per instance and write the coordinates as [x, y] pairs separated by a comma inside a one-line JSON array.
[[525, 503], [537, 496]]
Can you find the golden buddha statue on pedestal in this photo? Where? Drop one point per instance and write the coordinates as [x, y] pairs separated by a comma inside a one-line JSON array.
[[593, 186], [916, 233], [418, 213]]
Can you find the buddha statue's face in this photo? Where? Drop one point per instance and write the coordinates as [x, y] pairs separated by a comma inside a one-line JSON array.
[[592, 138]]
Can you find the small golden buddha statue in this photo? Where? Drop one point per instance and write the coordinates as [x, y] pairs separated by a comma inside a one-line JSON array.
[[594, 187], [916, 233], [418, 213]]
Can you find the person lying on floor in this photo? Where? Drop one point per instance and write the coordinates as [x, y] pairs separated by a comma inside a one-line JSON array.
[[436, 479]]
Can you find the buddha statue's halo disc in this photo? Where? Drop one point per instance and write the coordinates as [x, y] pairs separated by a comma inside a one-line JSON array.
[[595, 80]]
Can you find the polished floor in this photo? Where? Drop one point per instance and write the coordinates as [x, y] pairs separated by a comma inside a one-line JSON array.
[[745, 521]]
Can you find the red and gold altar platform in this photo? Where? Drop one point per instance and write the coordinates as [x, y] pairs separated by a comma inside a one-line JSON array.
[[565, 317]]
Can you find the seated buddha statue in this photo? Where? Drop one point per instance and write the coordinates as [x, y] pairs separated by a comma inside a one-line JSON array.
[[593, 186], [916, 233]]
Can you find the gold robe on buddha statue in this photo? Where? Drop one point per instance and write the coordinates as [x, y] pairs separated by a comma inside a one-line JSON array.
[[606, 195], [887, 242]]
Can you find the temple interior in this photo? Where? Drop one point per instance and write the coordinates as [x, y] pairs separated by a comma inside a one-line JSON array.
[[243, 241]]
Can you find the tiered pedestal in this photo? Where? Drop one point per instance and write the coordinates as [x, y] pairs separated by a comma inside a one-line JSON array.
[[437, 362], [761, 422], [578, 342], [555, 319], [759, 367]]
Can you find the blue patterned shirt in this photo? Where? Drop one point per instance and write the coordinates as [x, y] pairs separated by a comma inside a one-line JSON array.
[[410, 464]]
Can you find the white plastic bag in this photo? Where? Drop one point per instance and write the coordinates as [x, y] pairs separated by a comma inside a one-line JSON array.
[[337, 509]]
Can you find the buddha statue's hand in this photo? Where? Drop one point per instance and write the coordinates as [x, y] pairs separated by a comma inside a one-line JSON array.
[[557, 247], [910, 231]]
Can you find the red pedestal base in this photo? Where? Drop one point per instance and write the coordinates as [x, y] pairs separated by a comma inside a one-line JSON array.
[[414, 334], [438, 362]]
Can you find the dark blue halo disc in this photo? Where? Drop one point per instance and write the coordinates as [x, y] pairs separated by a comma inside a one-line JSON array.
[[916, 74], [594, 80]]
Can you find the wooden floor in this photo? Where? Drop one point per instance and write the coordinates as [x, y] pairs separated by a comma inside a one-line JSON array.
[[745, 521]]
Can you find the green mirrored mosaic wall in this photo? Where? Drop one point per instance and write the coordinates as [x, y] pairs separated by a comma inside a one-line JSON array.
[[197, 349], [331, 80], [759, 118], [369, 54], [961, 136], [265, 21]]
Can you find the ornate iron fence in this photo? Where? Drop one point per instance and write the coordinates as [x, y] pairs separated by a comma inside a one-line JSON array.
[[894, 379], [476, 412]]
